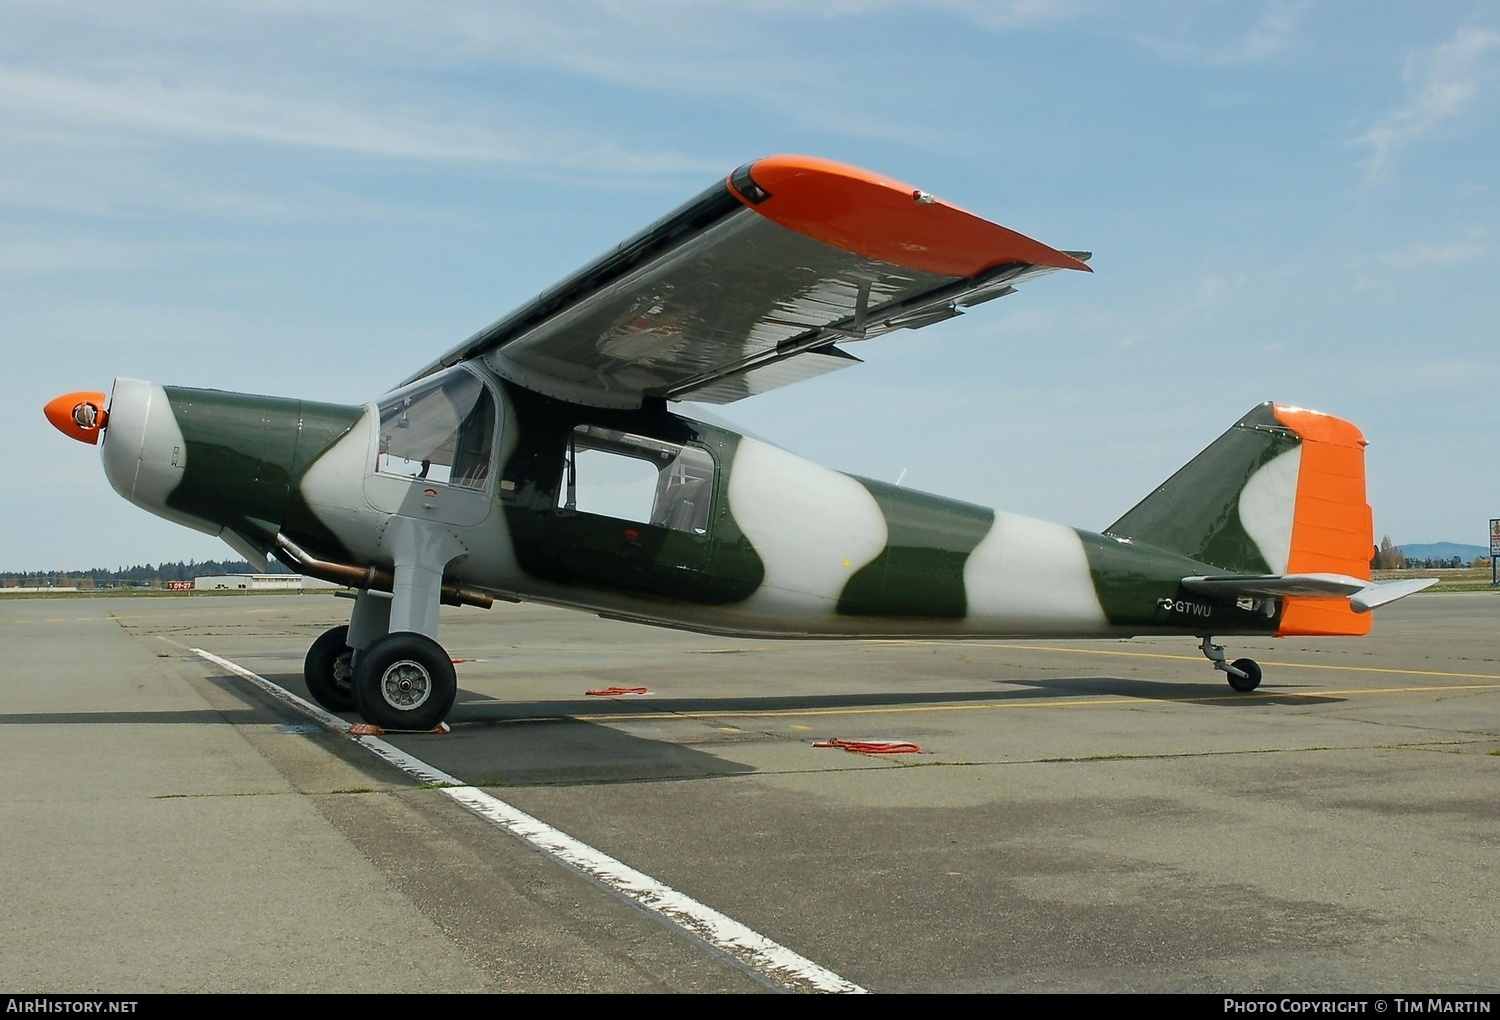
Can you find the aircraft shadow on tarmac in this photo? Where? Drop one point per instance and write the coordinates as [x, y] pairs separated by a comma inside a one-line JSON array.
[[473, 710], [1215, 695], [196, 717], [470, 708], [567, 751], [561, 742]]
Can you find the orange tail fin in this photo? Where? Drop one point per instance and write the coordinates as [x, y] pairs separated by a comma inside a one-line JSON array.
[[1332, 529]]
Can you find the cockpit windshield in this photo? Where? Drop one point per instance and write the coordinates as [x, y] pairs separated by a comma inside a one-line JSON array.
[[440, 430]]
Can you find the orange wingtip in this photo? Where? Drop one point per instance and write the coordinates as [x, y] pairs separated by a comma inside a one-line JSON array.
[[79, 415], [883, 219]]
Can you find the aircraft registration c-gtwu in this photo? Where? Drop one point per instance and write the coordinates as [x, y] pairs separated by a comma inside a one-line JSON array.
[[541, 460]]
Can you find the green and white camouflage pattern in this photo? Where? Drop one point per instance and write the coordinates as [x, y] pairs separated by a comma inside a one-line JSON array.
[[787, 547]]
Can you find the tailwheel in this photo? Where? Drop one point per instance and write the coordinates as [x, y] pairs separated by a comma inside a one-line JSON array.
[[1244, 674], [404, 681], [1250, 678], [329, 670]]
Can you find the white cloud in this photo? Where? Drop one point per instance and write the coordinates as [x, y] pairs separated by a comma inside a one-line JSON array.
[[215, 113], [20, 258], [1435, 254], [1442, 82], [1273, 32], [202, 71]]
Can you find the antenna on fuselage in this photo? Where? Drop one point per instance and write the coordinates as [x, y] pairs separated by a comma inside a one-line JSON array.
[[572, 501]]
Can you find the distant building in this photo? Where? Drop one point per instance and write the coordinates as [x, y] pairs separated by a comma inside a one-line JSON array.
[[261, 582]]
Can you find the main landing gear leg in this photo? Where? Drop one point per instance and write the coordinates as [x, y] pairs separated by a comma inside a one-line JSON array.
[[402, 678], [1244, 674], [329, 667]]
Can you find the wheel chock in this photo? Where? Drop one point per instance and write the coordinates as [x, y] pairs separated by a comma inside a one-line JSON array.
[[365, 729]]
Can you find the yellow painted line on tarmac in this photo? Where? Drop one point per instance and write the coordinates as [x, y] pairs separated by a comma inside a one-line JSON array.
[[1198, 658], [125, 617], [1402, 690], [63, 619], [178, 616], [794, 713], [1117, 701]]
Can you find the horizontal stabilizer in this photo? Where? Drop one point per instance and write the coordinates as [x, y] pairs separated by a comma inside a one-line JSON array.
[[1388, 591], [1363, 595]]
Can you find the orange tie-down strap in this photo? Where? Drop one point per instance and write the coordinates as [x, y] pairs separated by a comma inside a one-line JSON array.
[[872, 746]]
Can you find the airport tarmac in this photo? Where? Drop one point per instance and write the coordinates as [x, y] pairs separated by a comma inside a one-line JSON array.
[[1084, 816]]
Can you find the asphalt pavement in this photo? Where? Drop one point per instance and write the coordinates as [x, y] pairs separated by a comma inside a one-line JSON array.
[[1080, 815]]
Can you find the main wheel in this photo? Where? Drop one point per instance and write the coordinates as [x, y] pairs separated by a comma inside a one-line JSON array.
[[404, 681], [1250, 680], [329, 669]]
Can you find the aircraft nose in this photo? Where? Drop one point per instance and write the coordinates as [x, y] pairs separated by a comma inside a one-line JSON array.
[[80, 415]]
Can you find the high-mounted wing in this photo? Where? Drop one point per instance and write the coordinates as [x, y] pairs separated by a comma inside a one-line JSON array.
[[752, 285]]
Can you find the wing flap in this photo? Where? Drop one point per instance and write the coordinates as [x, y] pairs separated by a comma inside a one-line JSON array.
[[807, 365]]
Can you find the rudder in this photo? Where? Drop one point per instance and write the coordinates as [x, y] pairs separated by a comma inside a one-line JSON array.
[[1333, 530]]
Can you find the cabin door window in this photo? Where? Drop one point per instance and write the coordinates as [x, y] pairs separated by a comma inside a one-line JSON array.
[[636, 478]]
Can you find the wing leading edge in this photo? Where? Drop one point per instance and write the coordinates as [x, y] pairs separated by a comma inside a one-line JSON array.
[[753, 285]]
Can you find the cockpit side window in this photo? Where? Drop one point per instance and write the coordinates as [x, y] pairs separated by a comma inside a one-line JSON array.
[[441, 432], [637, 478]]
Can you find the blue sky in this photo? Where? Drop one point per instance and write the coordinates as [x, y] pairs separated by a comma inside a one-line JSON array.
[[1287, 201]]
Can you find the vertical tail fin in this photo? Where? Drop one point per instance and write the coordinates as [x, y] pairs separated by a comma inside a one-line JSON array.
[[1282, 492]]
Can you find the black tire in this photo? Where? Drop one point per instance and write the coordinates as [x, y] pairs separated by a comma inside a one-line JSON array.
[[1251, 680], [404, 681], [329, 670]]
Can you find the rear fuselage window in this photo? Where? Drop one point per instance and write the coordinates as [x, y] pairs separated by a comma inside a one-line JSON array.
[[637, 478]]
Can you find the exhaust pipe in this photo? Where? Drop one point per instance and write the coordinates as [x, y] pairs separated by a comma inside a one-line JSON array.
[[367, 578]]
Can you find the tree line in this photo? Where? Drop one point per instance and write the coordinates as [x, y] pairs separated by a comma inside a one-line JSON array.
[[143, 576], [1388, 556]]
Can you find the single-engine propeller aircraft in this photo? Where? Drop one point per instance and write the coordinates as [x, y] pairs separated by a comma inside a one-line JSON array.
[[541, 459]]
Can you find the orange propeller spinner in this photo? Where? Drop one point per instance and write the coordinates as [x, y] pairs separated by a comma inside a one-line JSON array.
[[79, 416]]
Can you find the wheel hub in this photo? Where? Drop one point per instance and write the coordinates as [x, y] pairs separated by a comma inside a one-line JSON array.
[[405, 685]]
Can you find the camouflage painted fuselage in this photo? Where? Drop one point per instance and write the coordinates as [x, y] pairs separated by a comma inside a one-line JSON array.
[[778, 546]]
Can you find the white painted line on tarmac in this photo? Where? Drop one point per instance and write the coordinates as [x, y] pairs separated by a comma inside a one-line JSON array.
[[328, 719], [729, 936], [764, 957]]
